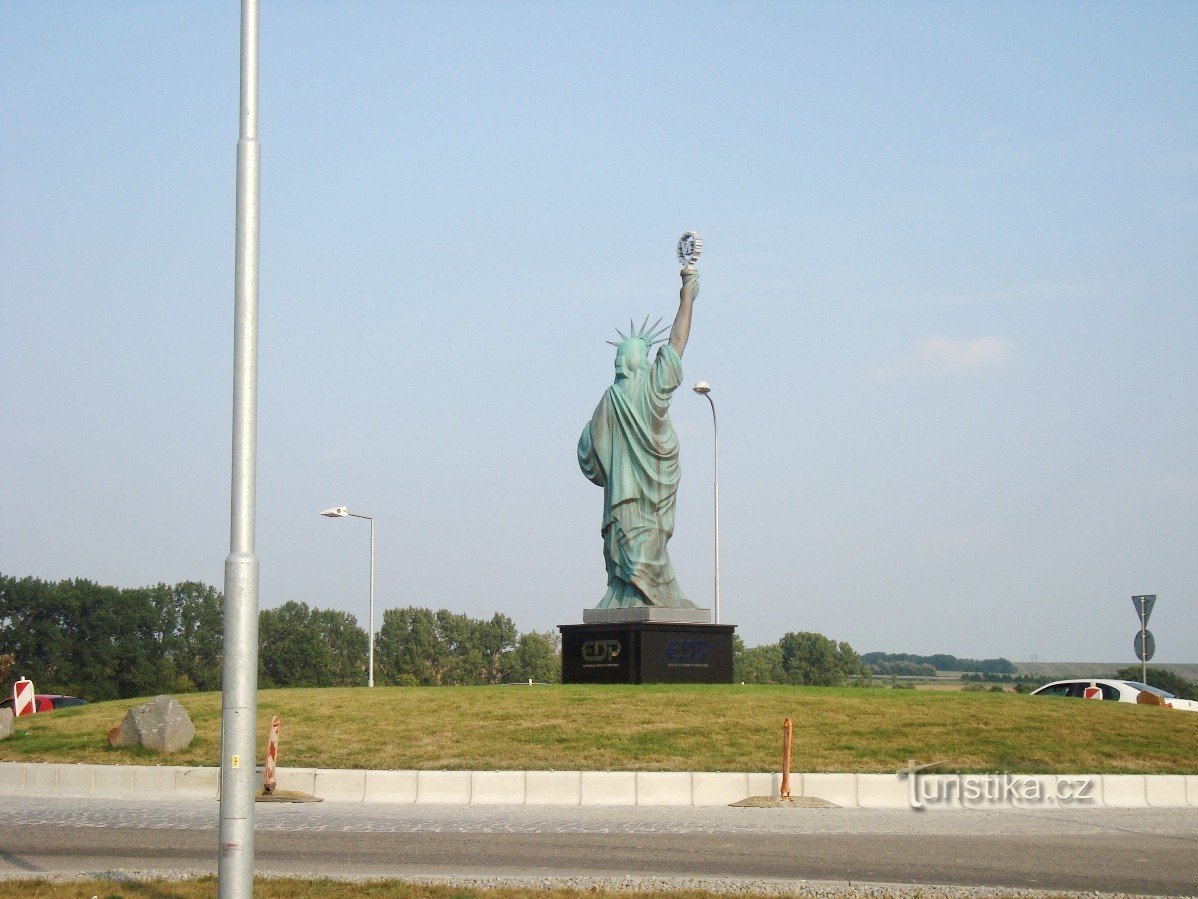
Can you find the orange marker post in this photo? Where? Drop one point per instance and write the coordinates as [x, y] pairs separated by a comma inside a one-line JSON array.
[[787, 732], [272, 756]]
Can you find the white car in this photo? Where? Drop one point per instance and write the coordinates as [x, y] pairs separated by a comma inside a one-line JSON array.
[[1115, 690]]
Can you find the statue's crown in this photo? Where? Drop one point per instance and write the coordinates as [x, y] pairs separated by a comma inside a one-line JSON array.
[[642, 333]]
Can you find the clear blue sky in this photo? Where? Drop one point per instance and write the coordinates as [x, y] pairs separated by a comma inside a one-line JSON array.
[[949, 305]]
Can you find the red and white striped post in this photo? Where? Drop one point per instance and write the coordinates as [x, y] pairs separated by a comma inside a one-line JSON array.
[[22, 698], [272, 756]]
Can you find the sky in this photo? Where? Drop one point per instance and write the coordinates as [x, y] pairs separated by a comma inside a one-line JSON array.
[[949, 305]]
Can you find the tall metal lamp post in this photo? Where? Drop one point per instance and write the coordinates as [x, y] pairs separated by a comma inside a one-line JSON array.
[[239, 677], [704, 389], [343, 512]]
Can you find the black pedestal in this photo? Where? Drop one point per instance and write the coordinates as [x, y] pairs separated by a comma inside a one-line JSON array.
[[646, 652]]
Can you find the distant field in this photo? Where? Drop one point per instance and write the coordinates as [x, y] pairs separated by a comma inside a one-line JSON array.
[[1062, 670], [656, 728]]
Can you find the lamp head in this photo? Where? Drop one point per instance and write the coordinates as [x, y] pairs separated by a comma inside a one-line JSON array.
[[702, 388], [335, 512]]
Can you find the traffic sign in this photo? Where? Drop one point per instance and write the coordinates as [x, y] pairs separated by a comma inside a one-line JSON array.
[[1145, 645], [1143, 606]]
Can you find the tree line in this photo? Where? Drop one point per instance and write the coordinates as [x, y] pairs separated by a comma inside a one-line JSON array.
[[101, 642], [906, 663], [802, 658]]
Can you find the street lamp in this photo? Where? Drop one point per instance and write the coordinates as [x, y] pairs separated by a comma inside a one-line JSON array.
[[704, 389], [343, 512]]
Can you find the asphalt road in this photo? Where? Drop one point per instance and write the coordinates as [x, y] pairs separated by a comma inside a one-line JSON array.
[[1151, 851]]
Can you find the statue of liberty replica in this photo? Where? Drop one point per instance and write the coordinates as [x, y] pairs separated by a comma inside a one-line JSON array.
[[629, 448]]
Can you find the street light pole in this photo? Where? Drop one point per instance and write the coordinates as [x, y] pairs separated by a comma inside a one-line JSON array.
[[239, 678], [704, 389], [343, 512], [370, 663]]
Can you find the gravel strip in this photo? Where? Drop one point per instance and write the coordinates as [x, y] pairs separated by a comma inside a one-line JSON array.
[[815, 889]]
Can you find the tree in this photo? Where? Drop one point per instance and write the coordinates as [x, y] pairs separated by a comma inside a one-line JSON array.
[[197, 644], [409, 648], [303, 647], [537, 657], [31, 628], [758, 665], [494, 639], [814, 660], [347, 646]]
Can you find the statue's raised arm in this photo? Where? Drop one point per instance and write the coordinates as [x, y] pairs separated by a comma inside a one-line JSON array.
[[686, 302]]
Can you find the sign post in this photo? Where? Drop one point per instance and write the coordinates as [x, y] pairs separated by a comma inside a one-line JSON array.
[[1145, 643], [23, 702]]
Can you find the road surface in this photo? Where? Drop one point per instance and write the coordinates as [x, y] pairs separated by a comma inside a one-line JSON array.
[[1148, 851]]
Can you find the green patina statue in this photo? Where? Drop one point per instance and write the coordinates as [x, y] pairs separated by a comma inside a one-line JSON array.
[[629, 448]]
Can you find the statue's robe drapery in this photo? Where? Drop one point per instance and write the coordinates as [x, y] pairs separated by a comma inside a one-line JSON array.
[[629, 448]]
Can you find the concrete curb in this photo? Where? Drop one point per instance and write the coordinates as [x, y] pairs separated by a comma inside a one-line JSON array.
[[619, 788]]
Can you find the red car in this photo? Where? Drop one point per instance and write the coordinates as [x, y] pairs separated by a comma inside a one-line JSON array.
[[47, 702]]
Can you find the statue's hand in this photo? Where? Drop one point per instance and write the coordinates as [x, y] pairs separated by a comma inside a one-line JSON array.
[[690, 283]]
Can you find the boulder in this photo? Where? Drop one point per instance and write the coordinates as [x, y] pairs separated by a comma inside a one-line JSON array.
[[5, 723], [161, 724]]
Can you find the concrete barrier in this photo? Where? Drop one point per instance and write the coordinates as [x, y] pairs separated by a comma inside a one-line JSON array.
[[74, 781], [40, 780], [12, 778], [154, 783], [888, 790], [302, 780], [839, 789], [1034, 791], [616, 788], [553, 787], [1124, 791], [663, 788], [196, 783], [443, 787], [770, 784], [497, 788], [340, 785], [607, 788], [1165, 791], [112, 781], [720, 789], [398, 787]]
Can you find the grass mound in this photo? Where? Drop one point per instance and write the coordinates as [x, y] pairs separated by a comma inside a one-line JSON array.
[[655, 728]]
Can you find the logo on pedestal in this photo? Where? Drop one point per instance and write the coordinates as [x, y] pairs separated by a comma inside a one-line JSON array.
[[600, 652], [688, 652]]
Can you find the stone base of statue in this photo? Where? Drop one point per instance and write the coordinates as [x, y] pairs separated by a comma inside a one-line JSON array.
[[692, 615], [645, 647]]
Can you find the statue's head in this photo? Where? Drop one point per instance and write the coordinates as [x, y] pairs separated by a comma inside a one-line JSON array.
[[631, 356], [632, 352]]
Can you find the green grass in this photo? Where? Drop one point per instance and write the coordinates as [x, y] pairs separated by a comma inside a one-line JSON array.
[[655, 728]]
